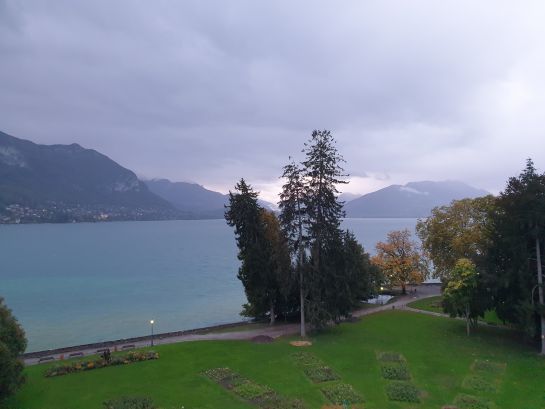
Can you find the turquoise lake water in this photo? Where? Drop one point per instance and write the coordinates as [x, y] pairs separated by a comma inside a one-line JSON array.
[[71, 284]]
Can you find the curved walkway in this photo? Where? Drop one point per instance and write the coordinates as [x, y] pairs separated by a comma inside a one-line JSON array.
[[276, 331]]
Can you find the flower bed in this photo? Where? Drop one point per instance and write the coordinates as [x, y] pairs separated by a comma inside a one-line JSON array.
[[130, 402], [102, 362], [478, 384], [257, 394], [488, 366], [395, 371], [341, 393], [402, 392], [464, 401], [314, 368], [390, 357]]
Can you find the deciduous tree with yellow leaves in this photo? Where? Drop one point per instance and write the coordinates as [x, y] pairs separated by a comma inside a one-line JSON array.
[[400, 260], [459, 230]]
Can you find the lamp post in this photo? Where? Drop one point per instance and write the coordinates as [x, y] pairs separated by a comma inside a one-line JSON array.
[[151, 323]]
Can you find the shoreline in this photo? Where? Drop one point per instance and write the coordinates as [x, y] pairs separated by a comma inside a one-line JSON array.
[[429, 289], [123, 341]]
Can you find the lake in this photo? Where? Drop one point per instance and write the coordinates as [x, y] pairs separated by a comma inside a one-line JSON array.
[[71, 284]]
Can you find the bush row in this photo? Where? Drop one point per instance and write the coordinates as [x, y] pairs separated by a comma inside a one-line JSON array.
[[102, 362]]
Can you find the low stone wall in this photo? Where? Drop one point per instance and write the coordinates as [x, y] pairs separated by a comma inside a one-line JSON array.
[[121, 342]]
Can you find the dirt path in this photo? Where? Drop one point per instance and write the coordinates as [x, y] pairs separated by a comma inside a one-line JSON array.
[[274, 331]]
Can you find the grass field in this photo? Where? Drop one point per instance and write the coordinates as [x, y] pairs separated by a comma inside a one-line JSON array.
[[433, 304], [441, 360]]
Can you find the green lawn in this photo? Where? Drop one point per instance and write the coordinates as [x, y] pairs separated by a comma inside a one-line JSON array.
[[438, 355], [433, 304]]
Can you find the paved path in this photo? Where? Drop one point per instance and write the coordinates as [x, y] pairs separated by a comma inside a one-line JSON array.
[[274, 331]]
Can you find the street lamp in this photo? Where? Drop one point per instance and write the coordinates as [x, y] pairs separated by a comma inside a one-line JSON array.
[[151, 323]]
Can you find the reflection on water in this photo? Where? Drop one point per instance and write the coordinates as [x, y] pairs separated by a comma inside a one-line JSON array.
[[380, 300]]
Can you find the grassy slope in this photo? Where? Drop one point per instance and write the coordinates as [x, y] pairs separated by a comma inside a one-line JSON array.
[[438, 353]]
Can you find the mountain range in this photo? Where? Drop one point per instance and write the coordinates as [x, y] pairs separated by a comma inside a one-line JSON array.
[[190, 197], [415, 199], [195, 199], [51, 183], [60, 183]]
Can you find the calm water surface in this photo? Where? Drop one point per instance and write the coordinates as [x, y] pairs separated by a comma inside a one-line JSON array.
[[71, 284]]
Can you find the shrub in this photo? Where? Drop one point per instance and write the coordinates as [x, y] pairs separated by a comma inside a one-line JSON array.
[[398, 372], [12, 344], [339, 393], [106, 356], [463, 401], [402, 392], [128, 402]]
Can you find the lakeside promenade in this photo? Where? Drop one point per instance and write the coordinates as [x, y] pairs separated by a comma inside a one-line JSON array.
[[220, 332]]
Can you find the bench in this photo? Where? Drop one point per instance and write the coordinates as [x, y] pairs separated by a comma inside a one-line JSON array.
[[130, 346]]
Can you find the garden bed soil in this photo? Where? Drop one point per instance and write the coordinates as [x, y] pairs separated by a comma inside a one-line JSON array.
[[262, 339], [301, 343]]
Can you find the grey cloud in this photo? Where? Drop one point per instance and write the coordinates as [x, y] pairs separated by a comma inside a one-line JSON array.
[[218, 90]]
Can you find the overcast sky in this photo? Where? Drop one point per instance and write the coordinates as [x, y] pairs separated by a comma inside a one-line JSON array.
[[211, 91]]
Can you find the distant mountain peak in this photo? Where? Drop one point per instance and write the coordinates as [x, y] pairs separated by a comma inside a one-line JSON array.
[[414, 199], [412, 190]]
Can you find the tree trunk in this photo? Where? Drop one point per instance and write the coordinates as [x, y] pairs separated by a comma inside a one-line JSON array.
[[302, 300], [467, 320], [273, 318], [301, 288], [403, 289], [540, 292]]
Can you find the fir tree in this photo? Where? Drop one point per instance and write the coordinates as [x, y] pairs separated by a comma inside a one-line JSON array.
[[277, 276], [322, 174], [293, 220], [514, 257], [244, 214], [265, 270]]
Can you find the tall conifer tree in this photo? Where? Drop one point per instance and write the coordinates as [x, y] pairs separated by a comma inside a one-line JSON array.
[[263, 251], [244, 214], [293, 218], [322, 174], [515, 264]]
